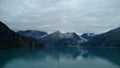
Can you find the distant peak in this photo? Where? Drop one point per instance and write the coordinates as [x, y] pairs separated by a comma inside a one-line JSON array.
[[57, 32]]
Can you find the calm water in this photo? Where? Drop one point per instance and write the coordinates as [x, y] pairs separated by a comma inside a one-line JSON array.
[[64, 57]]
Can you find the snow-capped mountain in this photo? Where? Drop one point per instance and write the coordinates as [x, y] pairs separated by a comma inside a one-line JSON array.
[[57, 37]]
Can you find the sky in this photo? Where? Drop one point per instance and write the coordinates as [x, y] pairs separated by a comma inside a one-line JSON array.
[[81, 16]]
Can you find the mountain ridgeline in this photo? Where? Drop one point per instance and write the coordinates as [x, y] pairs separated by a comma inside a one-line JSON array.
[[34, 38], [10, 39], [108, 39]]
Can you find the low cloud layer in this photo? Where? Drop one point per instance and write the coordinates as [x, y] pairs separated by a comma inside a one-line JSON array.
[[65, 15]]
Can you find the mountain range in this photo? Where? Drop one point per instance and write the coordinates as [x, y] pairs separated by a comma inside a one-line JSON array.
[[34, 38], [107, 39], [57, 38]]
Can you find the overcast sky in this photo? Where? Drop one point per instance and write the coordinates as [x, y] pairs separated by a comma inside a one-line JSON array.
[[79, 16]]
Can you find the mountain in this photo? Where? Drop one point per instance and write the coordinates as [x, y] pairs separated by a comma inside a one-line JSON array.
[[58, 38], [108, 39], [10, 39], [33, 33]]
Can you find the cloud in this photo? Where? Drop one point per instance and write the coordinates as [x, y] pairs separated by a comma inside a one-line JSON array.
[[65, 15]]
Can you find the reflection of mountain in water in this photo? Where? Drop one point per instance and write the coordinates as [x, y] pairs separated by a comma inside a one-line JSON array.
[[111, 55]]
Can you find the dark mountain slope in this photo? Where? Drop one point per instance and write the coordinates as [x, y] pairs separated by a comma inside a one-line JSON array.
[[10, 39], [108, 39]]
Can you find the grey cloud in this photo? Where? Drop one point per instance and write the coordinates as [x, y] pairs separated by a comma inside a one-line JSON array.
[[64, 15]]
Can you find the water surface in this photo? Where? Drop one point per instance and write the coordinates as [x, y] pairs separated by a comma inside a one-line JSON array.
[[64, 57]]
